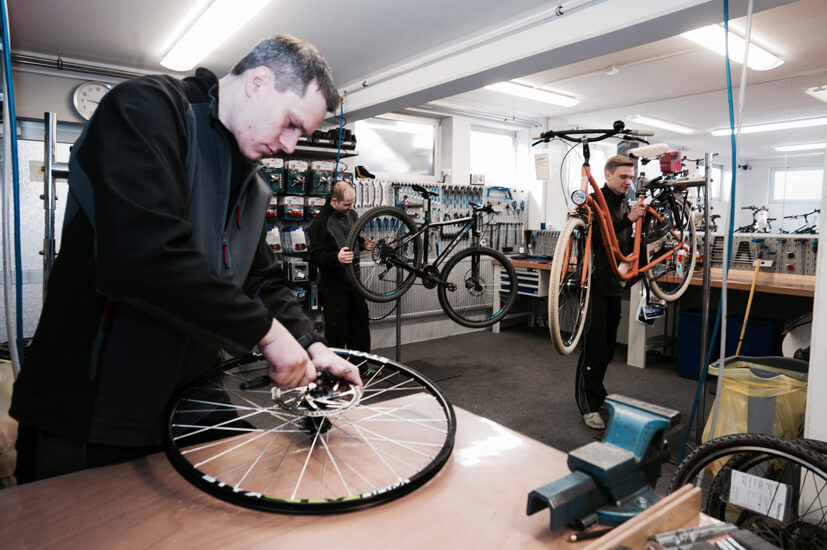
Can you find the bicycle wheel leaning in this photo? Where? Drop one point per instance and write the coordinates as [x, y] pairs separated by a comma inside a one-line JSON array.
[[312, 450], [569, 286], [386, 272], [670, 278], [771, 485], [470, 297]]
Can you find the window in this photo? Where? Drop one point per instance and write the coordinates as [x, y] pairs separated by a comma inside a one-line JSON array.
[[797, 184], [397, 144], [494, 155], [721, 183], [597, 161]]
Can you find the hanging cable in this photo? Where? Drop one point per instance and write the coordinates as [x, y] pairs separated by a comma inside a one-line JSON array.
[[10, 127], [720, 319], [339, 148]]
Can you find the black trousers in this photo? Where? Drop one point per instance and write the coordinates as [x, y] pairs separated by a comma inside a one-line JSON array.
[[346, 320], [598, 348], [41, 455]]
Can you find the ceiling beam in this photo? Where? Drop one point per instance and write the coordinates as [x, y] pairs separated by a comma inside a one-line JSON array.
[[592, 30]]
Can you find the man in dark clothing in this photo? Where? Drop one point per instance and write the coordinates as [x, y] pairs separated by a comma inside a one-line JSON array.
[[345, 310], [599, 339], [164, 259]]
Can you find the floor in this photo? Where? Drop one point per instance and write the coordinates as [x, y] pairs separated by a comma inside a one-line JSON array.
[[517, 379]]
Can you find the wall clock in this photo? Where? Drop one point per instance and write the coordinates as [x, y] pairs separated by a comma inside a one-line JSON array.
[[87, 96]]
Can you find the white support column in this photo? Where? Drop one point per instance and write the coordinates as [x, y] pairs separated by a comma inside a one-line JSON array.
[[814, 425], [636, 348]]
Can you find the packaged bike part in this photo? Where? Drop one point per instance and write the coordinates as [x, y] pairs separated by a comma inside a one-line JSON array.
[[273, 238], [321, 177], [296, 177], [314, 205], [291, 207], [273, 173]]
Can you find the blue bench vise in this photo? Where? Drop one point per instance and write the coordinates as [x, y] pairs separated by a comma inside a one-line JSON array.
[[613, 478]]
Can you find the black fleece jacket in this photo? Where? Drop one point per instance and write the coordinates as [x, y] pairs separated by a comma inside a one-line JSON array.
[[163, 260]]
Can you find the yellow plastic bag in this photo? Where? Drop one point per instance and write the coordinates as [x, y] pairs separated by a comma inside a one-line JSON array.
[[774, 399], [8, 427]]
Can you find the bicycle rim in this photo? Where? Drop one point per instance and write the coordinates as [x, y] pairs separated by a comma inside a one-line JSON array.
[[232, 438], [670, 278], [790, 507], [470, 297], [386, 272], [569, 287]]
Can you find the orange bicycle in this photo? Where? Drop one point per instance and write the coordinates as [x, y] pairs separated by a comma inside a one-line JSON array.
[[664, 249]]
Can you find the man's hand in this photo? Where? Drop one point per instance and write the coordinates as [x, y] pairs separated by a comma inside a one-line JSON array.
[[638, 210], [345, 255], [370, 244], [290, 366], [326, 360]]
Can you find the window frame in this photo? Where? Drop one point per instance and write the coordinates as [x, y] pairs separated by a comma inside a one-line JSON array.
[[771, 188], [436, 125], [485, 129]]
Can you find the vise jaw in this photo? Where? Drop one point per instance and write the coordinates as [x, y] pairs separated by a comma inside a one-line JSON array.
[[614, 477]]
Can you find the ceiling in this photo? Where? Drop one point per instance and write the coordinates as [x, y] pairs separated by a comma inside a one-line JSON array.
[[672, 78]]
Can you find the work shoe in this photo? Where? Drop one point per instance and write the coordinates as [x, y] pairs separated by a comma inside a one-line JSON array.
[[593, 420]]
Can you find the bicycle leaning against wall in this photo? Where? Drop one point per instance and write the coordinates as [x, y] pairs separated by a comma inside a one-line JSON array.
[[664, 249], [464, 280]]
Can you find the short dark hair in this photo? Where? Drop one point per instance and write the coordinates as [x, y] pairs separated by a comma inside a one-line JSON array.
[[616, 161], [339, 190], [295, 64]]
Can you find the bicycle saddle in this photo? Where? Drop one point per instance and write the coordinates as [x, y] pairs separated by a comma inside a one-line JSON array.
[[424, 192]]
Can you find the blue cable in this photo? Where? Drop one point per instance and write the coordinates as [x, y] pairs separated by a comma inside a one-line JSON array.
[[702, 377], [18, 265], [339, 151]]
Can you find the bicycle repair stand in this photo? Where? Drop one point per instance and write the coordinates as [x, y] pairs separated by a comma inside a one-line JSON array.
[[613, 478]]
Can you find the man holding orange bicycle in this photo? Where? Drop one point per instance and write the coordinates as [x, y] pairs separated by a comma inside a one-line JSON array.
[[599, 339]]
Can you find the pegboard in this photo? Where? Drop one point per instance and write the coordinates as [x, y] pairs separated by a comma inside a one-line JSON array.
[[788, 254]]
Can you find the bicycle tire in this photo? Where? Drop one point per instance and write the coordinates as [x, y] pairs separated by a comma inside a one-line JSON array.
[[568, 298], [672, 268], [474, 285], [306, 460], [376, 273], [796, 467]]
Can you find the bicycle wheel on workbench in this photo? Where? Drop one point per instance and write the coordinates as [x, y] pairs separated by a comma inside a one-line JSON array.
[[773, 486], [569, 286], [320, 449], [470, 290], [670, 278], [388, 271]]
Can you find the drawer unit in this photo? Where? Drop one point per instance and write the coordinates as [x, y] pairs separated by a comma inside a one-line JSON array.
[[530, 281]]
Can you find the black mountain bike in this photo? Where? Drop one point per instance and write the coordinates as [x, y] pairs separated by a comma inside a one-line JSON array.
[[465, 280]]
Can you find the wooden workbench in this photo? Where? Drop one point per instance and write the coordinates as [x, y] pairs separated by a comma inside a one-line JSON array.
[[478, 500], [790, 284]]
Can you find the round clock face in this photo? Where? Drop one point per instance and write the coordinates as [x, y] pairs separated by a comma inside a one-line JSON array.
[[87, 96]]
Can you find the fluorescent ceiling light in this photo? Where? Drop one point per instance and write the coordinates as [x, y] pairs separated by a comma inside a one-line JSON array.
[[219, 22], [818, 92], [536, 94], [658, 123], [801, 147], [773, 126], [712, 37]]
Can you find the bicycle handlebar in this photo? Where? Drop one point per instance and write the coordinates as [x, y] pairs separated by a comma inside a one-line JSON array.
[[579, 135]]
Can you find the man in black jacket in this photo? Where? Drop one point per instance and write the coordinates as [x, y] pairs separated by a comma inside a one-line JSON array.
[[163, 258], [600, 337], [345, 310]]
